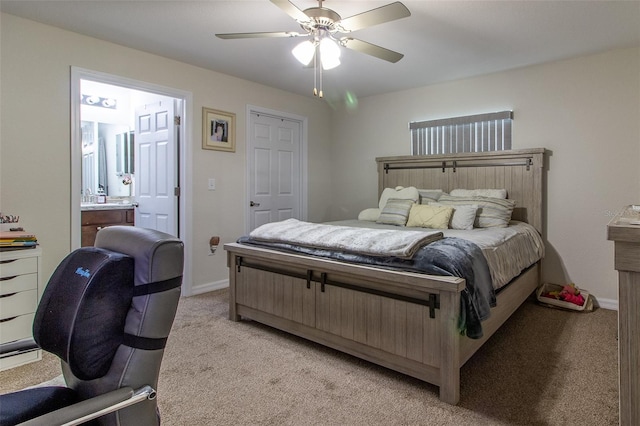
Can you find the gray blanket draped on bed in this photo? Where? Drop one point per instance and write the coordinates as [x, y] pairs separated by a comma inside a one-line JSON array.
[[448, 256]]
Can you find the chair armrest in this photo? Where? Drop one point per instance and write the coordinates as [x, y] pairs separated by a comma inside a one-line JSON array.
[[95, 407], [18, 346]]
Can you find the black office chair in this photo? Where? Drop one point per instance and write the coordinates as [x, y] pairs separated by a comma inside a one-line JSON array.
[[106, 312]]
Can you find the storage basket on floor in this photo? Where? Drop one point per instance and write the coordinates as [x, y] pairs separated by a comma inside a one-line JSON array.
[[546, 287]]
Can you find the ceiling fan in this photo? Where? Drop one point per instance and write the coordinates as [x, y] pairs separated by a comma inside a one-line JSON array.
[[322, 27]]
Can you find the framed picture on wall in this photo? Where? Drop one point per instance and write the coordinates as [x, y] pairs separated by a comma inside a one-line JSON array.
[[218, 130]]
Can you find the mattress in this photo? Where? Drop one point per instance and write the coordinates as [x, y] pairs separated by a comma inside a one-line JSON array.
[[508, 251]]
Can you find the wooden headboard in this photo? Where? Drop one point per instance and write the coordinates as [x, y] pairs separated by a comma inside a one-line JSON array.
[[520, 172]]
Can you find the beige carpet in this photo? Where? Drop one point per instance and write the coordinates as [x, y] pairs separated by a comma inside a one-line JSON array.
[[544, 367]]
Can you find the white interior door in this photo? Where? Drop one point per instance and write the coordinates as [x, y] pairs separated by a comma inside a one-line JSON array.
[[274, 169], [155, 168]]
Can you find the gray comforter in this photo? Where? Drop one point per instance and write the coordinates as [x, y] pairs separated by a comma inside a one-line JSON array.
[[449, 256]]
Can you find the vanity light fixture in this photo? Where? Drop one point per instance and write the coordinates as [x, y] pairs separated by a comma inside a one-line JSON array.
[[98, 101]]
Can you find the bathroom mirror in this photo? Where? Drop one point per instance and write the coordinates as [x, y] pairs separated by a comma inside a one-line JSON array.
[[107, 159]]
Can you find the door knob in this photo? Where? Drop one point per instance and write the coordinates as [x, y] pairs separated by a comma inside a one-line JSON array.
[[253, 204]]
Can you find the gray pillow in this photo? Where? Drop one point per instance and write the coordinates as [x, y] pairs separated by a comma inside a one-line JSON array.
[[429, 195], [492, 212], [395, 212]]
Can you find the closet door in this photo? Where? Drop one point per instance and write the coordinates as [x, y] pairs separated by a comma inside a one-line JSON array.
[[274, 169]]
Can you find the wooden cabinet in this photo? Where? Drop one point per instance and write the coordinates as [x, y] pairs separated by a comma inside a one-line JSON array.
[[95, 220], [20, 291], [624, 229]]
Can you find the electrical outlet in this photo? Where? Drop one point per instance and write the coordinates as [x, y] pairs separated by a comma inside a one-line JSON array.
[[212, 184]]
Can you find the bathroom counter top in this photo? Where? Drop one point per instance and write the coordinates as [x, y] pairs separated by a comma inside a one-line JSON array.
[[105, 206]]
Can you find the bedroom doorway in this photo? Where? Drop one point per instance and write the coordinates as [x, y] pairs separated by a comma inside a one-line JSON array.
[[164, 102], [276, 166], [130, 141]]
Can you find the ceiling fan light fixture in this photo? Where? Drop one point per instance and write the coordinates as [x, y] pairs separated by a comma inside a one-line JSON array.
[[329, 53], [304, 52], [321, 25]]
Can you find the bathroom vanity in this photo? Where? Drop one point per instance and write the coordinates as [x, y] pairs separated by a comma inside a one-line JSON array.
[[97, 216]]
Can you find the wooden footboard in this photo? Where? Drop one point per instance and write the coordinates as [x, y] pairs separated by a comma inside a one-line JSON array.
[[401, 320]]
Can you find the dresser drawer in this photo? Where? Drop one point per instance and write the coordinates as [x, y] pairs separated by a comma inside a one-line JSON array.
[[24, 302], [16, 328], [16, 283], [13, 267]]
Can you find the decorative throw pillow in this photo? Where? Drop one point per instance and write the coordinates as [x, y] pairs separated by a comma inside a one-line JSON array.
[[409, 193], [463, 216], [395, 212], [493, 193], [429, 195], [370, 215], [430, 216], [492, 212]]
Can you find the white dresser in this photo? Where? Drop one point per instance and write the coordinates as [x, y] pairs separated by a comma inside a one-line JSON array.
[[20, 291]]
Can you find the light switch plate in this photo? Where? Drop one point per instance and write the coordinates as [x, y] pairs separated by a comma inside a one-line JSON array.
[[212, 184]]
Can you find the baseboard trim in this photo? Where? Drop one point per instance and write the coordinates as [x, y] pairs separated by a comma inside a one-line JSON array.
[[207, 287], [611, 304]]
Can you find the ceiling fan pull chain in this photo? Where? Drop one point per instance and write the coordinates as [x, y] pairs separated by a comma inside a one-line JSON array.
[[320, 72], [315, 72]]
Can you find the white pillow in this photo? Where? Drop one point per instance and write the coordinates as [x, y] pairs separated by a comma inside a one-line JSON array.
[[409, 193], [463, 216], [370, 215], [493, 193]]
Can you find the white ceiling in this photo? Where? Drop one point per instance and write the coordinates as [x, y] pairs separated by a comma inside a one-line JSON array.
[[441, 40]]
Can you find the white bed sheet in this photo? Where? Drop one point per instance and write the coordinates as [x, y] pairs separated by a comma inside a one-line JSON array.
[[508, 250]]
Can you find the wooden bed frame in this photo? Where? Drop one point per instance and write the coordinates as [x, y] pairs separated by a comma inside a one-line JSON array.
[[404, 321]]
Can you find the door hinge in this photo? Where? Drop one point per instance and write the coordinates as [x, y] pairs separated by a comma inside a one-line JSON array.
[[176, 120], [176, 191]]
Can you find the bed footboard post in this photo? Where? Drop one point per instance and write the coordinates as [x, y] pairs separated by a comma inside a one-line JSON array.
[[450, 347], [231, 263]]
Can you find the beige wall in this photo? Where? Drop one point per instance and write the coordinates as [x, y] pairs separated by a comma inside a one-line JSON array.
[[585, 111], [35, 136]]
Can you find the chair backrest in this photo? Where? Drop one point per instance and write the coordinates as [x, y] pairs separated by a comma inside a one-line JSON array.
[[83, 310], [158, 267]]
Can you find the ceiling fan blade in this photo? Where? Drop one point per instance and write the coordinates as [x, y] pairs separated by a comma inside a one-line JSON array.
[[291, 10], [371, 49], [380, 15], [260, 35]]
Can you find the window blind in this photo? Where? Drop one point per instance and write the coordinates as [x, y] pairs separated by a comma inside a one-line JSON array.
[[471, 133]]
